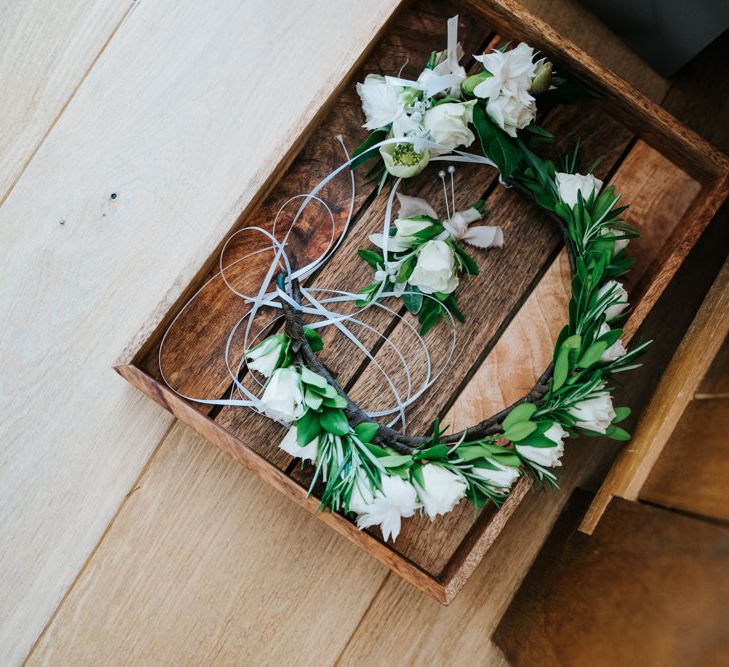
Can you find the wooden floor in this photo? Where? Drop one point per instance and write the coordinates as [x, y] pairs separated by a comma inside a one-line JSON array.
[[132, 134]]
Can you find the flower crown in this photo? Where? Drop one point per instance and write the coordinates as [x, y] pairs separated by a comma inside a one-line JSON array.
[[364, 466]]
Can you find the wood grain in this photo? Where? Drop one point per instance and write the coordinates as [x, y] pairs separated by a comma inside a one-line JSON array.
[[48, 49], [692, 471], [698, 349], [716, 381], [224, 599], [170, 186], [74, 295], [648, 587]]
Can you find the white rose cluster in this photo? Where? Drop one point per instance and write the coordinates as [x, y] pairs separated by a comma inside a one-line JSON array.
[[420, 111], [508, 86], [439, 492]]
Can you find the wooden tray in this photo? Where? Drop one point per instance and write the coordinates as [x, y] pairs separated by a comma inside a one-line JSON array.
[[673, 180]]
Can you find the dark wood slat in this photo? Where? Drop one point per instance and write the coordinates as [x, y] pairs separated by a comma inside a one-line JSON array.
[[692, 471], [649, 587]]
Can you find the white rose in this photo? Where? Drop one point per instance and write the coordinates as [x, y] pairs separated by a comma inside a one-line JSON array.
[[511, 74], [265, 356], [616, 350], [362, 496], [501, 478], [618, 244], [403, 161], [397, 498], [618, 299], [441, 491], [291, 446], [569, 185], [549, 457], [435, 270], [448, 124], [380, 101], [510, 114], [594, 414], [283, 397]]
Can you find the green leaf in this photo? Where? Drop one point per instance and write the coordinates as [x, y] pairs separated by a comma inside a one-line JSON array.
[[592, 354], [617, 433], [307, 428], [314, 339], [535, 440], [334, 421], [395, 460], [472, 452], [413, 300], [406, 270], [561, 367], [519, 431], [436, 453], [336, 402], [452, 305], [366, 431], [495, 143], [312, 378], [537, 164], [359, 152], [621, 414], [468, 263], [327, 391], [312, 399], [372, 258], [520, 413]]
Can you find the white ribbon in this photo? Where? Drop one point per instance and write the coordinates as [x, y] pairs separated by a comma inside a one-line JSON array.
[[269, 295], [445, 75]]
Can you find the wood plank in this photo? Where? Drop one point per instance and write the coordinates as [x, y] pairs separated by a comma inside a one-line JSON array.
[[648, 587], [677, 388], [75, 295], [716, 381], [219, 597], [48, 49], [692, 470]]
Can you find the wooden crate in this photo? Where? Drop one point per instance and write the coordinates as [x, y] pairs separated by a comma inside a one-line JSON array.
[[673, 180]]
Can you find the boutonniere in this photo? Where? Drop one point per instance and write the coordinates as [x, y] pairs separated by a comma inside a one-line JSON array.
[[421, 258]]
